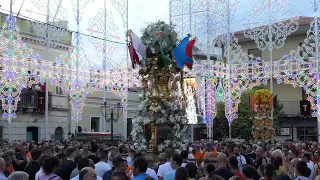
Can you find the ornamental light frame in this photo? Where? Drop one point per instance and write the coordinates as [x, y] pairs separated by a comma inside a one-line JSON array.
[[59, 72]]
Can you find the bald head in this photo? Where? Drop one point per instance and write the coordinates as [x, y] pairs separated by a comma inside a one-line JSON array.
[[87, 173], [222, 160]]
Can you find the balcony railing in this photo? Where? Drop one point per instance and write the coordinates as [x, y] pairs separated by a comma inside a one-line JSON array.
[[291, 108]]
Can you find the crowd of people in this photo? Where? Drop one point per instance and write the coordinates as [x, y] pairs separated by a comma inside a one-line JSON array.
[[201, 160]]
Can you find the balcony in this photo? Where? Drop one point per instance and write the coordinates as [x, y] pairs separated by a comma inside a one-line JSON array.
[[33, 101], [291, 108]]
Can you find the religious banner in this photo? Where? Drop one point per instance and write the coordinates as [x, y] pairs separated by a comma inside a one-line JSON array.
[[305, 109], [41, 102], [190, 88], [190, 85]]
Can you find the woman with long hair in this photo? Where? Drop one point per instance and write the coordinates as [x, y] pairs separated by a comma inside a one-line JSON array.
[[50, 166]]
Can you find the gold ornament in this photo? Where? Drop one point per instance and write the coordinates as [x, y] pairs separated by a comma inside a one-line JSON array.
[[262, 96]]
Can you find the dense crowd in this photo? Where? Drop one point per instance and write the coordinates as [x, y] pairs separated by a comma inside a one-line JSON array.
[[201, 160]]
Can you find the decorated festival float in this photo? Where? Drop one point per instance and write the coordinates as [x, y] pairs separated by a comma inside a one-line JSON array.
[[262, 104], [161, 122]]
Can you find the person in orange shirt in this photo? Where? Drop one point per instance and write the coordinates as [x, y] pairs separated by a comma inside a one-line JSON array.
[[197, 155], [209, 148], [28, 155]]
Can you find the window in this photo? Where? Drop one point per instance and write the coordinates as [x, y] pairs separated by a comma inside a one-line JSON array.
[[129, 126], [95, 124], [59, 90], [1, 132], [255, 52], [307, 133]]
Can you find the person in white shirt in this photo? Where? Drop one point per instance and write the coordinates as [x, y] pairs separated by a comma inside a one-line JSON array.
[[307, 159], [112, 153], [3, 168], [101, 167], [189, 150], [166, 167], [241, 159], [130, 157], [302, 170]]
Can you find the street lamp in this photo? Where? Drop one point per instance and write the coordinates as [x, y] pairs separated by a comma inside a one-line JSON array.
[[115, 112]]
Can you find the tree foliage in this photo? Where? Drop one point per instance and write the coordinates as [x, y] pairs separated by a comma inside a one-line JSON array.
[[220, 123], [242, 126]]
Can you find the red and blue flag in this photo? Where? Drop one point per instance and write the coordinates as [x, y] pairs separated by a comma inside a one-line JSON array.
[[183, 53]]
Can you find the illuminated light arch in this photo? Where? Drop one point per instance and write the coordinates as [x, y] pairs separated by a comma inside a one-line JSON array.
[[17, 69]]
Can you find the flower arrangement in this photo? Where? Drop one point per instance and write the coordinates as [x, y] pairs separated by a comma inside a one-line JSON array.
[[166, 114], [262, 96], [159, 33]]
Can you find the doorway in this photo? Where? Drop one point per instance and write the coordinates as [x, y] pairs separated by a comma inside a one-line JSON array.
[[80, 129], [32, 134], [95, 124], [58, 134]]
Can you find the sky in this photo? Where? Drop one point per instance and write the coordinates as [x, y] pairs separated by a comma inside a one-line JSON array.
[[140, 13]]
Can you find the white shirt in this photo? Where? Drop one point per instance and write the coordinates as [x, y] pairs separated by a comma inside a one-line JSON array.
[[302, 178], [110, 163], [129, 161], [77, 178], [202, 164], [2, 176], [164, 169], [150, 173], [183, 164], [190, 156], [74, 173], [241, 162], [38, 174], [312, 168], [101, 168]]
